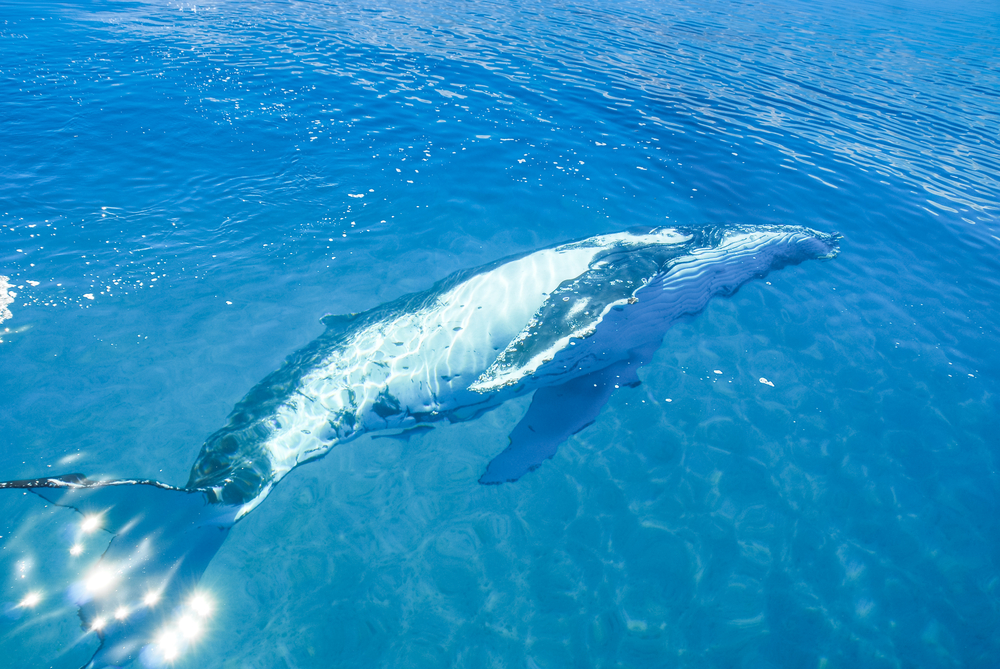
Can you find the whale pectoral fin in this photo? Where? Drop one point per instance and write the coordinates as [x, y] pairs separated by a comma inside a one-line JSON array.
[[136, 551], [557, 413]]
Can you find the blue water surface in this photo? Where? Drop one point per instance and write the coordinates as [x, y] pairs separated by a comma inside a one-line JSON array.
[[186, 189]]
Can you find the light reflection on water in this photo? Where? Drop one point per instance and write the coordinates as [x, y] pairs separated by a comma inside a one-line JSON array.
[[129, 579], [205, 162]]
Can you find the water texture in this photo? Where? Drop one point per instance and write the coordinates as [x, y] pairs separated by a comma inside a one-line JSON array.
[[185, 190]]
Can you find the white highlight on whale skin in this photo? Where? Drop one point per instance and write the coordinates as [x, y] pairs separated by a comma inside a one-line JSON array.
[[470, 346], [426, 357]]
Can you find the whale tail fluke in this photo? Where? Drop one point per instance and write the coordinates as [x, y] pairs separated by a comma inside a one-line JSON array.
[[130, 559]]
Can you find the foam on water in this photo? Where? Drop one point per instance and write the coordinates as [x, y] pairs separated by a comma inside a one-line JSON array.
[[6, 297]]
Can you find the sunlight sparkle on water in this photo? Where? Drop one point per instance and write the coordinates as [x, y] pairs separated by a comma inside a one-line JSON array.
[[176, 637], [90, 523], [100, 579], [189, 627], [31, 600], [201, 605], [169, 645]]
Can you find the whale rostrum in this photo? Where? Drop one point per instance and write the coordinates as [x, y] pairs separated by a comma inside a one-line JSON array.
[[569, 323]]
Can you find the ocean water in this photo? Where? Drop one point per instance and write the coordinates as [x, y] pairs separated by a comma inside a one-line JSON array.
[[185, 190]]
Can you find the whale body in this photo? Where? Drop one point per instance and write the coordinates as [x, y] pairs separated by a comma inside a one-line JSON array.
[[569, 323]]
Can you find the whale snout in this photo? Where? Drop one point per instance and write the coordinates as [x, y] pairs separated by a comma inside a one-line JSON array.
[[822, 246], [832, 242]]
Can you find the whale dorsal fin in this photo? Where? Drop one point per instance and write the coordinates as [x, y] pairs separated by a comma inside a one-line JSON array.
[[338, 322]]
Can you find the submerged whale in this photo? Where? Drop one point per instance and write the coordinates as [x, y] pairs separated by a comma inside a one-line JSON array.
[[569, 323]]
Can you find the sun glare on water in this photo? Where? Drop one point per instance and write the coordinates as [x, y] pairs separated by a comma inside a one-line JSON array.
[[184, 630], [31, 600], [99, 580], [90, 523], [201, 605]]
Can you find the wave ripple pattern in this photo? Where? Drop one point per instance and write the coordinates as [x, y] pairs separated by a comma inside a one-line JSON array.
[[806, 475]]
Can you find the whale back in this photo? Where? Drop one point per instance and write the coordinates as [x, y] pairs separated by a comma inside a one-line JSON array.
[[480, 336]]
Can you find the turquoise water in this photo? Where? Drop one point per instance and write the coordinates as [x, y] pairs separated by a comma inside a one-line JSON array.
[[185, 190]]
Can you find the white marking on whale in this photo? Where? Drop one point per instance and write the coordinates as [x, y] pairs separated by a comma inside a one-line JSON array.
[[569, 323]]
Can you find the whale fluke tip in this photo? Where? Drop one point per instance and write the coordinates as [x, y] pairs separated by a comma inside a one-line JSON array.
[[138, 550]]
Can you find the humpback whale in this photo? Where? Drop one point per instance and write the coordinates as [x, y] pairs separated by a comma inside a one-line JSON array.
[[568, 323]]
